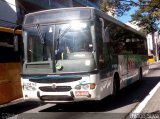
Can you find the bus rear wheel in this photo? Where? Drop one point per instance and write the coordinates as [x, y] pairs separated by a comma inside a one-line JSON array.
[[115, 87], [140, 76]]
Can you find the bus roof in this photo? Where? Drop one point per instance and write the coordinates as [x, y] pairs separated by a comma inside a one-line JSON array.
[[38, 17], [58, 15], [10, 30], [117, 22]]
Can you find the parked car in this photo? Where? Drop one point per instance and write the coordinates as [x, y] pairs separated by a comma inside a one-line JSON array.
[[151, 58]]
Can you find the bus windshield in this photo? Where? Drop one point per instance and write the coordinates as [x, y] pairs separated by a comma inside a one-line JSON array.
[[68, 41], [72, 39]]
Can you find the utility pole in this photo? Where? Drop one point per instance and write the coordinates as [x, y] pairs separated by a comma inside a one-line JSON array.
[[156, 50], [154, 42]]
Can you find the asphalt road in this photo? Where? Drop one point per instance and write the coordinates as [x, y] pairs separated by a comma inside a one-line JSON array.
[[120, 108]]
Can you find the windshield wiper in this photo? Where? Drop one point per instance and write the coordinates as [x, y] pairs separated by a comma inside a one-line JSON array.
[[43, 42], [40, 34], [64, 32], [58, 38], [61, 35]]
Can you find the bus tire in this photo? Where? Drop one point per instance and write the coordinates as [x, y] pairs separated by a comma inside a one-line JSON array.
[[140, 76], [116, 86]]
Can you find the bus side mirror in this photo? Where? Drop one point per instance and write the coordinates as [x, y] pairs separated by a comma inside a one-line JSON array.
[[15, 43]]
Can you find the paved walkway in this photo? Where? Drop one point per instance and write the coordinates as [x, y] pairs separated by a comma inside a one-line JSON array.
[[149, 108], [153, 105]]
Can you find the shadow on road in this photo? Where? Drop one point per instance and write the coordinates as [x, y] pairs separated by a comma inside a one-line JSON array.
[[19, 107]]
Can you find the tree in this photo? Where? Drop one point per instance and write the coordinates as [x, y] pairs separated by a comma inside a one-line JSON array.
[[118, 7], [147, 16]]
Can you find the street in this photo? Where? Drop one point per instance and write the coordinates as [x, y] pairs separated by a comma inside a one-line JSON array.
[[119, 108], [79, 50]]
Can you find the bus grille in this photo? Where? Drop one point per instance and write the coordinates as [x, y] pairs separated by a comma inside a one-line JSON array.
[[56, 98], [55, 80], [57, 89]]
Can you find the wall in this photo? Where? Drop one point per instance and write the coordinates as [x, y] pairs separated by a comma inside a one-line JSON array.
[[10, 85]]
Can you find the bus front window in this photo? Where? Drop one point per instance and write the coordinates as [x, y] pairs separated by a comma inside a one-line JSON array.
[[39, 43], [73, 38], [69, 44]]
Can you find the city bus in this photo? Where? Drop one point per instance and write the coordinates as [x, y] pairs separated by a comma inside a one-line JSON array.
[[79, 54], [10, 65]]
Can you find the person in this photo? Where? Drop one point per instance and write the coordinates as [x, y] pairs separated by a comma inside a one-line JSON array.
[[83, 46], [63, 50], [64, 53]]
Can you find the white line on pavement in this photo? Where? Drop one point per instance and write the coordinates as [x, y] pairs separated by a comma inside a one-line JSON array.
[[35, 110], [38, 109], [141, 106]]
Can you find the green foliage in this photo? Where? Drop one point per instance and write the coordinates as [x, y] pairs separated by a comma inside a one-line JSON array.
[[147, 16], [121, 6], [103, 5], [107, 6]]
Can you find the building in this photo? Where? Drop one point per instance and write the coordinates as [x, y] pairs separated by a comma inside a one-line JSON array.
[[154, 45], [27, 6], [32, 5], [13, 11], [10, 64], [8, 13]]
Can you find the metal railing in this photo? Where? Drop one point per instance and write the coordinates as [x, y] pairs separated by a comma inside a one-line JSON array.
[[87, 3], [45, 3], [54, 4]]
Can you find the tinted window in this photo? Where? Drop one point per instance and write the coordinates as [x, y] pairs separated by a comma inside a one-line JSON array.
[[125, 42]]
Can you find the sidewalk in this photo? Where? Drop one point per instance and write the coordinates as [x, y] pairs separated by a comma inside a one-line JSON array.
[[149, 108], [14, 102], [153, 105]]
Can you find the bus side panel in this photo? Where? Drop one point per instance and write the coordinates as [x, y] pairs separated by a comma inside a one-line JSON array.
[[10, 85], [106, 87], [145, 65], [122, 69]]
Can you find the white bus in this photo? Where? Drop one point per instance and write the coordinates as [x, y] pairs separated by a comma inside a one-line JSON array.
[[78, 54]]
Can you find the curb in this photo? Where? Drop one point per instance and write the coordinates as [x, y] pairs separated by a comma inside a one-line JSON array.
[[142, 105], [12, 102]]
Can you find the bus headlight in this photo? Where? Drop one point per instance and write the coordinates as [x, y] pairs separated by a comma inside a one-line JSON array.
[[85, 86], [29, 86], [78, 87], [92, 86]]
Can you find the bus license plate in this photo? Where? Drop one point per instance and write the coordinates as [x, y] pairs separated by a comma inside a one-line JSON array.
[[81, 93]]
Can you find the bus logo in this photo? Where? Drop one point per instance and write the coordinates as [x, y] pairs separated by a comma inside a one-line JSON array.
[[53, 86]]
